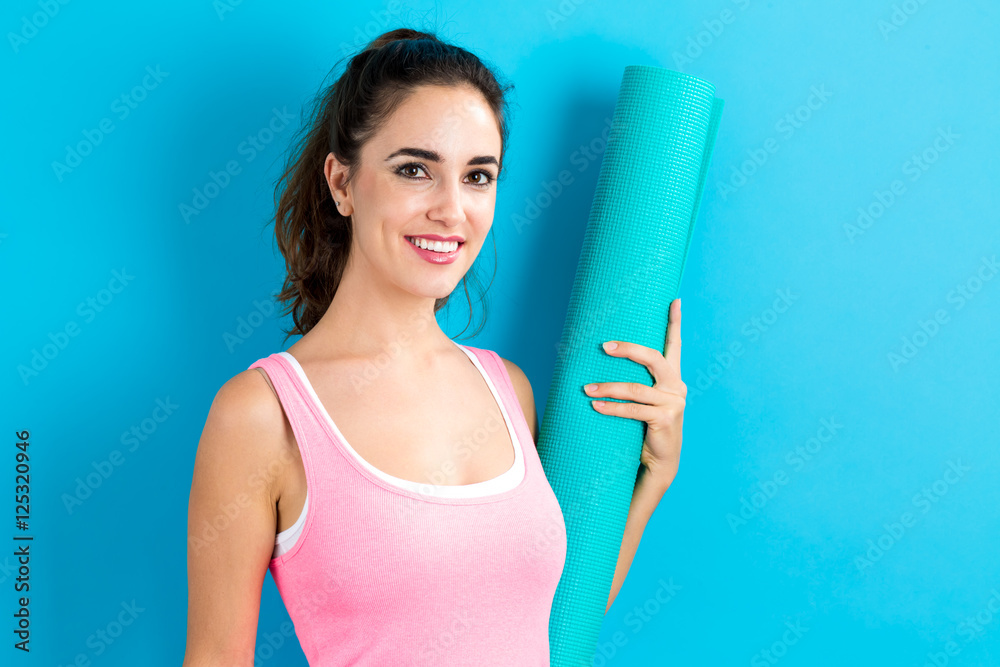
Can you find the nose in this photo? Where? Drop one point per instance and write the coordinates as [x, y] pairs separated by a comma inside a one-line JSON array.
[[447, 206]]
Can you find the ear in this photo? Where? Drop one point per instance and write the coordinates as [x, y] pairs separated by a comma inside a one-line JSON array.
[[336, 175]]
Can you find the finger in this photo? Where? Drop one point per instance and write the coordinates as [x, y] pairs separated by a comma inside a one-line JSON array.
[[652, 359], [672, 346], [645, 413], [627, 391]]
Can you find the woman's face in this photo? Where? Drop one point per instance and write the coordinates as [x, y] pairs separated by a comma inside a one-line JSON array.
[[429, 172]]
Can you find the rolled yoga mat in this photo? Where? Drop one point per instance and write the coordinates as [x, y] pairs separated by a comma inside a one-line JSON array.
[[630, 268]]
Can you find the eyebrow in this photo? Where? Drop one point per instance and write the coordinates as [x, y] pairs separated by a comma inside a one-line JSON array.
[[435, 157]]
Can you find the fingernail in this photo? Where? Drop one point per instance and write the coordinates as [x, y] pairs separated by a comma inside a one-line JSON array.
[[590, 387], [599, 404], [610, 345]]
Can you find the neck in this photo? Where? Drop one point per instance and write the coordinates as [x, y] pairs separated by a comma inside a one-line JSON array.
[[371, 319]]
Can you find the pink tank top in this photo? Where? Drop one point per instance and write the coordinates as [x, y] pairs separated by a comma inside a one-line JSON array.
[[388, 571]]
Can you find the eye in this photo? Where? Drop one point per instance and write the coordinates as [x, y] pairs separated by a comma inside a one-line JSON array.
[[486, 178], [402, 170]]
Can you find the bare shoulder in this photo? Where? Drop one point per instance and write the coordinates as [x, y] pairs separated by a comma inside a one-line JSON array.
[[246, 429], [517, 377], [525, 396]]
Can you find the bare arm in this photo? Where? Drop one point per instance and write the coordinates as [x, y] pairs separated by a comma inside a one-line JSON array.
[[646, 495], [232, 519]]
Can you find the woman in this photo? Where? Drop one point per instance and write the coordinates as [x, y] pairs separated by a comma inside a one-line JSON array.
[[384, 473]]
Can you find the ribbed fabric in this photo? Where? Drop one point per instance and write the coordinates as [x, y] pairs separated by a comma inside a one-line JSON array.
[[385, 575]]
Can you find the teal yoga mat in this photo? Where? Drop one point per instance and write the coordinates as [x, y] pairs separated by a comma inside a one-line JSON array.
[[630, 268]]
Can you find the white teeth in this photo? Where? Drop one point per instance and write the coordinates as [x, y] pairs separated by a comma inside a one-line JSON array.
[[435, 246]]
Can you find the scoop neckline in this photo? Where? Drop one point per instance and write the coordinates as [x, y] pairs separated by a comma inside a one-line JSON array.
[[496, 488]]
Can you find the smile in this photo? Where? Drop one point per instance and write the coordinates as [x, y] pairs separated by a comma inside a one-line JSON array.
[[434, 246], [435, 252]]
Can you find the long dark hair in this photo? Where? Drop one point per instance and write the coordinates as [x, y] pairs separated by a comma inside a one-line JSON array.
[[313, 237]]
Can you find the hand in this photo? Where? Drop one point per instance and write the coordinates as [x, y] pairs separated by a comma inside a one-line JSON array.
[[660, 406]]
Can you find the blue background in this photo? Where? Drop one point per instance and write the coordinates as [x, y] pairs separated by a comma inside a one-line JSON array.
[[776, 219]]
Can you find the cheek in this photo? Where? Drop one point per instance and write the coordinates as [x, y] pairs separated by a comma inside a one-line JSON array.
[[481, 216], [397, 208], [379, 196]]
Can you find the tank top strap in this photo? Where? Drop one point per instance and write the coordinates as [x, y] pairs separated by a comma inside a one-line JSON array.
[[493, 365], [293, 401], [306, 427]]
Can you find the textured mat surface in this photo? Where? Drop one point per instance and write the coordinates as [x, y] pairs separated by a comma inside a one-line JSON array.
[[630, 268]]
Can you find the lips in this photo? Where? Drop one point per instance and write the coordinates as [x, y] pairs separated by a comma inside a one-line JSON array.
[[434, 257]]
